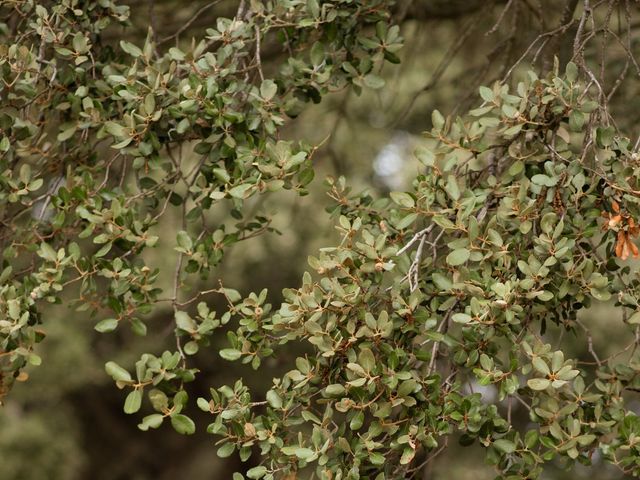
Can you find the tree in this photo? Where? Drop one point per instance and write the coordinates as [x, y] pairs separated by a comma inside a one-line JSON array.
[[521, 215]]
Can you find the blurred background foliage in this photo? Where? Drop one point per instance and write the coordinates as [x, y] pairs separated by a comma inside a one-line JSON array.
[[66, 423]]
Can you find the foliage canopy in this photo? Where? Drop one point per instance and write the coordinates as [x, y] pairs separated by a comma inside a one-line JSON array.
[[522, 215]]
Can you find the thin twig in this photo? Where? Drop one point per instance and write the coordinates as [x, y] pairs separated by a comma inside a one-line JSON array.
[[258, 59], [189, 22], [590, 343], [557, 31], [415, 238], [446, 60], [577, 50], [414, 270], [436, 345], [500, 18]]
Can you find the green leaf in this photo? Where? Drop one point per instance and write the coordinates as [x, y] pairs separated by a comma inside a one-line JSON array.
[[334, 390], [106, 325], [516, 168], [604, 136], [374, 81], [185, 322], [511, 131], [176, 54], [183, 424], [317, 54], [104, 250], [240, 191], [545, 296], [184, 240], [80, 43], [426, 156], [122, 144], [257, 472], [538, 383], [437, 120], [548, 222], [452, 188], [116, 372], [203, 404], [67, 133], [576, 120], [47, 252], [509, 110], [578, 182], [226, 450], [458, 257], [461, 318], [34, 359], [232, 295], [634, 319], [133, 401], [115, 129], [442, 282], [191, 348], [406, 221], [357, 421], [600, 294], [504, 445], [181, 398], [403, 199], [540, 365], [571, 72], [367, 359], [407, 455], [486, 94], [268, 89], [149, 103], [138, 327], [544, 180], [313, 7], [159, 400], [274, 399], [131, 49], [304, 453], [151, 421], [230, 354]]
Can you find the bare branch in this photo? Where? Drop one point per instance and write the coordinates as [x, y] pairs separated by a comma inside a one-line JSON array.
[[189, 22]]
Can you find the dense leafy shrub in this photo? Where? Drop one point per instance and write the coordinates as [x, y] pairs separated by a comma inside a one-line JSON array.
[[93, 135], [521, 216]]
